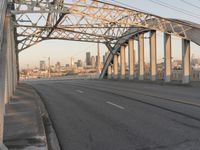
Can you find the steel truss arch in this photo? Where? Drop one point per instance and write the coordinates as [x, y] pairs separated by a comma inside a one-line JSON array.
[[89, 21]]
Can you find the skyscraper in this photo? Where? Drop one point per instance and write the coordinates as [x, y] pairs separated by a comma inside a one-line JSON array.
[[104, 59], [79, 63], [88, 59], [98, 59], [93, 62], [42, 65], [72, 62], [58, 67]]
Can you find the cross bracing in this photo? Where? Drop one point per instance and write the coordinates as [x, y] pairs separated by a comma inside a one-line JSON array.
[[86, 20]]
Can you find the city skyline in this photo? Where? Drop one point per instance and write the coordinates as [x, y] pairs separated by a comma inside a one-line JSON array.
[[89, 60]]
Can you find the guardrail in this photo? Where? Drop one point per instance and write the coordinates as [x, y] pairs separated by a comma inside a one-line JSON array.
[[72, 77]]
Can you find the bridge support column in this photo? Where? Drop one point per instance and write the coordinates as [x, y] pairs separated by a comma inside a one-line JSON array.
[[122, 62], [17, 67], [3, 76], [141, 56], [115, 62], [9, 70], [131, 56], [153, 58], [186, 61], [9, 85], [110, 72], [3, 49], [167, 57], [14, 67]]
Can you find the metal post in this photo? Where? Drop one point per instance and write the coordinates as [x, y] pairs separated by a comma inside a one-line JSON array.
[[186, 61], [153, 58], [122, 62], [167, 49], [131, 56], [141, 56]]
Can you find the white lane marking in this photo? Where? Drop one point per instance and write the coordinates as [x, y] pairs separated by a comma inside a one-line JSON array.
[[79, 91], [118, 106]]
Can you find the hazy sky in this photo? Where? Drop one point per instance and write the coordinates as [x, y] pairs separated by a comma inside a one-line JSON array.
[[63, 50]]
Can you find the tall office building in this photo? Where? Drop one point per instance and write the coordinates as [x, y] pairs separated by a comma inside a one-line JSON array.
[[106, 55], [58, 67], [97, 61], [79, 63], [93, 62], [88, 59], [98, 58], [104, 59], [42, 65], [72, 62]]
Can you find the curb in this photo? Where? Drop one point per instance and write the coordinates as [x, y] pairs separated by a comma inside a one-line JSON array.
[[52, 139]]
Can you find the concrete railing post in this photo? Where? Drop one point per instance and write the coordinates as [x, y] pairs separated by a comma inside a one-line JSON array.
[[122, 62], [115, 63], [167, 57], [153, 57], [186, 61], [131, 58], [141, 56], [110, 72]]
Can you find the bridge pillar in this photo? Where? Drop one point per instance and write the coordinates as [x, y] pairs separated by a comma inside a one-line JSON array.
[[153, 62], [141, 56], [6, 82], [14, 67], [110, 72], [115, 63], [3, 76], [186, 61], [9, 91], [167, 57], [3, 49], [122, 62], [131, 56]]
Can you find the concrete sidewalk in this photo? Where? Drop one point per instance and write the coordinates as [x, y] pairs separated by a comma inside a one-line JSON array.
[[23, 127]]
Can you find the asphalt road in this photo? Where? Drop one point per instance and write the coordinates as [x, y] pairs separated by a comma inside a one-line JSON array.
[[122, 115]]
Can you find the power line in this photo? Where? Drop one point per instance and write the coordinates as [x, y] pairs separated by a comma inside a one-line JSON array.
[[126, 5], [191, 4], [191, 14]]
